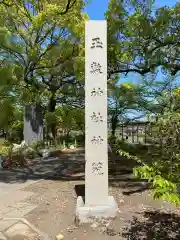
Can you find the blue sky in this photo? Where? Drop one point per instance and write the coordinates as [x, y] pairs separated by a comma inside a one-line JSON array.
[[97, 8]]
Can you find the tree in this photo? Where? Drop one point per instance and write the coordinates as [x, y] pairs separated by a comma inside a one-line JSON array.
[[7, 98], [157, 93], [31, 33], [123, 99], [141, 40], [160, 164], [11, 119], [163, 169], [43, 41], [67, 118]]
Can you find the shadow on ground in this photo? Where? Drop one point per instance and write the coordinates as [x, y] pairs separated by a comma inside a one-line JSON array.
[[70, 166], [155, 225], [59, 166], [121, 175]]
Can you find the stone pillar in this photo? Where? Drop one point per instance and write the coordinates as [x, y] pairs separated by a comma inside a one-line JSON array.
[[97, 202], [33, 124]]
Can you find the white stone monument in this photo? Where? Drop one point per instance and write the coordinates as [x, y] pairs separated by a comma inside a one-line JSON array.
[[97, 202]]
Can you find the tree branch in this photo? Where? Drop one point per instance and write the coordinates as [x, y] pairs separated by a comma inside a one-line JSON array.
[[68, 7], [3, 2], [17, 55]]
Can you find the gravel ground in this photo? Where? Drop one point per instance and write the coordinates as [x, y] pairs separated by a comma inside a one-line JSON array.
[[139, 218]]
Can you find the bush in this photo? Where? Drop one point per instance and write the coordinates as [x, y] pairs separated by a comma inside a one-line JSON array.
[[164, 168], [80, 139], [37, 145], [112, 140], [15, 132]]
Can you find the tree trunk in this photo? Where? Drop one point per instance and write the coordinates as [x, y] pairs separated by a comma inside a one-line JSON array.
[[113, 131], [114, 123], [52, 108]]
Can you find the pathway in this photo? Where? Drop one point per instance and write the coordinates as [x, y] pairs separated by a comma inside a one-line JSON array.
[[45, 195], [14, 205], [13, 208]]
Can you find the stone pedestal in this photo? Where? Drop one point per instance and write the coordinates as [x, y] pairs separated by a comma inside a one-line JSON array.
[[97, 201], [86, 214]]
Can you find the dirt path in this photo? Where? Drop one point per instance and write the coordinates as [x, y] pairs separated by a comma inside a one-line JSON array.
[[139, 218]]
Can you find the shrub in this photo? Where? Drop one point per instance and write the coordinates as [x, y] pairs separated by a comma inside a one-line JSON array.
[[164, 168]]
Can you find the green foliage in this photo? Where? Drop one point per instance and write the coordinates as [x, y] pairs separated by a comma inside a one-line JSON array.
[[70, 119], [123, 99], [50, 119], [112, 140], [37, 145], [5, 148], [42, 53], [163, 166], [66, 119], [80, 139], [43, 42], [142, 38], [162, 188]]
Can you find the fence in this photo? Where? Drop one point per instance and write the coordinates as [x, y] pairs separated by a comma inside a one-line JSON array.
[[137, 132]]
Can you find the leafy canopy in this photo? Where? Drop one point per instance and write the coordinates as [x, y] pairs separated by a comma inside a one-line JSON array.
[[42, 39], [141, 38]]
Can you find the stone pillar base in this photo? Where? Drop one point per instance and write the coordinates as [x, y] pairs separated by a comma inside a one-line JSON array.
[[85, 214]]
